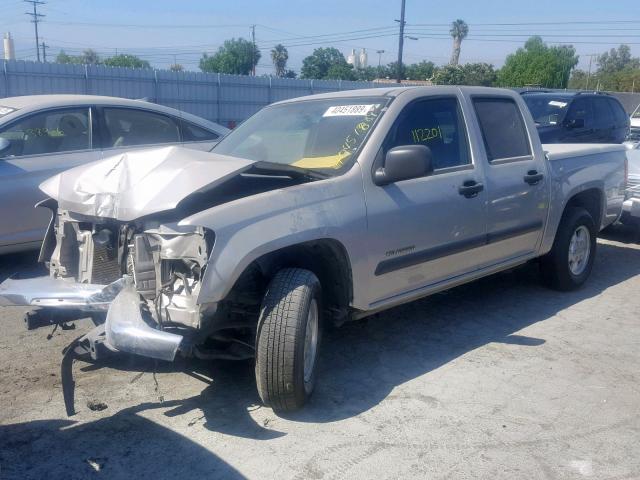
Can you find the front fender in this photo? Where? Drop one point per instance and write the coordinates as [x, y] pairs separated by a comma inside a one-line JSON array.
[[250, 227]]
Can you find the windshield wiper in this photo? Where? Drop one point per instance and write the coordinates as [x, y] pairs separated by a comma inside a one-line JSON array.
[[274, 168]]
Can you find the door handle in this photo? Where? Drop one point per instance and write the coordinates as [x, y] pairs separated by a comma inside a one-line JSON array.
[[470, 188], [533, 177]]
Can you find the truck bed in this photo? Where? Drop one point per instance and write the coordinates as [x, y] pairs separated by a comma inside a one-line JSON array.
[[557, 151]]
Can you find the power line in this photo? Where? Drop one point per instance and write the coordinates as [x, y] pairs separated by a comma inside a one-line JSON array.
[[35, 19]]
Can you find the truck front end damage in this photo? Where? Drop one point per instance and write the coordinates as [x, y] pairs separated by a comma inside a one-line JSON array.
[[145, 275]]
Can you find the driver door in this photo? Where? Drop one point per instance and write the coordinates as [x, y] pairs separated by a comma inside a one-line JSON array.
[[426, 230]]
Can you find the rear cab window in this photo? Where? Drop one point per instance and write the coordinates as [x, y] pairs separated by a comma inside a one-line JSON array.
[[503, 130], [436, 123]]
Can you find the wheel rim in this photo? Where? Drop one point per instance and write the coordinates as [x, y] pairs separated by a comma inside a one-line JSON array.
[[310, 341], [579, 250]]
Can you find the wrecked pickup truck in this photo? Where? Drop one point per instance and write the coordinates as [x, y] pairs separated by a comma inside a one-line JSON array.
[[320, 209]]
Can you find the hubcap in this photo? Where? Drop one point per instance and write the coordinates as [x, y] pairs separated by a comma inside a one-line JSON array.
[[310, 341], [579, 250]]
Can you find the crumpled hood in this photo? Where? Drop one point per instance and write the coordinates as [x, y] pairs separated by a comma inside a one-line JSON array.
[[133, 184]]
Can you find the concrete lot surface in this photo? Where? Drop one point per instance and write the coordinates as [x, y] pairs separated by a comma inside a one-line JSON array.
[[500, 378]]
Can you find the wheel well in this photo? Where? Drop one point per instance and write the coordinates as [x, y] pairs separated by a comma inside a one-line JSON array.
[[591, 201], [326, 258]]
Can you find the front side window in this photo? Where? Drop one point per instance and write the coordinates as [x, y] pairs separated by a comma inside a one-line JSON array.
[[436, 123], [580, 110], [127, 127], [314, 134], [503, 129], [53, 131]]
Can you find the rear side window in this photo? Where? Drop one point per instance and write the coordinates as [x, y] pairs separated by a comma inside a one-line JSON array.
[[618, 111], [580, 110], [502, 126], [438, 124], [602, 113], [128, 127], [52, 131], [194, 133]]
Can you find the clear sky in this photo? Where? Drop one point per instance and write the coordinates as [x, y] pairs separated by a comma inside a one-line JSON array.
[[159, 30]]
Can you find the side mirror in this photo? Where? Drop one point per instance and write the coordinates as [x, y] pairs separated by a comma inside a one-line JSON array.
[[404, 163], [5, 145], [576, 123]]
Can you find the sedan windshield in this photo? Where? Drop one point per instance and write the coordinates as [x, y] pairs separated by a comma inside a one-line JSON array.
[[636, 112], [314, 134], [546, 109]]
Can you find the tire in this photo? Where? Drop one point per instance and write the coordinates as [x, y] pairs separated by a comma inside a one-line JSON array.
[[292, 299], [559, 270]]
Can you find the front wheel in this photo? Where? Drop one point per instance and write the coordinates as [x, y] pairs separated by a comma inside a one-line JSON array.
[[288, 338], [568, 265]]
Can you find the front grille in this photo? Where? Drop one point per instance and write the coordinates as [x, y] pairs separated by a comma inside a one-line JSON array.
[[106, 268]]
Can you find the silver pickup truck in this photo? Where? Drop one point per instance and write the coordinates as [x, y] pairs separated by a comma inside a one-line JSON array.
[[319, 209]]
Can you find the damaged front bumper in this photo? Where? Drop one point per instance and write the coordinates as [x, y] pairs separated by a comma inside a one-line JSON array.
[[125, 328]]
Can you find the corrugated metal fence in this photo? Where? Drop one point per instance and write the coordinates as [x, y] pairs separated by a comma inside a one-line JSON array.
[[225, 99], [217, 97]]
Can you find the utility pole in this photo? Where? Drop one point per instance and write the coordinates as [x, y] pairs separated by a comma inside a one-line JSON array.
[[44, 52], [379, 52], [591, 55], [253, 50], [35, 19], [400, 43]]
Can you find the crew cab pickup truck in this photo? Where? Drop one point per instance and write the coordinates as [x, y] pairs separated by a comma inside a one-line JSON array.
[[319, 209]]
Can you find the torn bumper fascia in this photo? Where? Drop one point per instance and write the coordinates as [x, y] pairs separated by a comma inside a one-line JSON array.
[[125, 329]]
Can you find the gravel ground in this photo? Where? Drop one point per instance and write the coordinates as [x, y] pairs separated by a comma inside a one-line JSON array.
[[500, 378]]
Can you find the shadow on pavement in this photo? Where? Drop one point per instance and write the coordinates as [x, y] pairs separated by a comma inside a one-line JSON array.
[[361, 364]]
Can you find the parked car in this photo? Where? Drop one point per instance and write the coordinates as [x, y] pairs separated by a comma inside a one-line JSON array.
[[41, 135], [631, 206], [577, 117], [319, 209], [634, 131]]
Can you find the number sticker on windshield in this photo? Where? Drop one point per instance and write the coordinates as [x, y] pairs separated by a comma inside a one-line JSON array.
[[349, 110]]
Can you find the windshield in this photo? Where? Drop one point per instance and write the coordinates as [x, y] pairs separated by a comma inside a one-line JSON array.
[[546, 109], [314, 134], [636, 112]]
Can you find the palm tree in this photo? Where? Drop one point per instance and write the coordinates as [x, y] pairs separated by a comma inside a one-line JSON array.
[[459, 30], [279, 57]]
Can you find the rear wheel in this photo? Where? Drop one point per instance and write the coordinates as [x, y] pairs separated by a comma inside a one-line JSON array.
[[568, 265], [288, 339]]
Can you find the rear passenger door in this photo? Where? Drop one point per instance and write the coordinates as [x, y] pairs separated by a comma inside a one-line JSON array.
[[42, 144], [126, 129], [515, 178]]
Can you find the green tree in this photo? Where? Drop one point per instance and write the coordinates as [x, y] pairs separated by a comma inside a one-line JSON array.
[[481, 74], [88, 57], [176, 67], [235, 56], [317, 64], [279, 57], [449, 75], [459, 30], [126, 61], [341, 71], [617, 59], [538, 64], [420, 71], [290, 74]]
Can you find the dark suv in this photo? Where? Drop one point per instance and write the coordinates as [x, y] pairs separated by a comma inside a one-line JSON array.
[[577, 117]]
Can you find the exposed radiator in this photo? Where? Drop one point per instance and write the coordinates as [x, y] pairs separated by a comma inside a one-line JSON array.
[[106, 268]]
